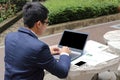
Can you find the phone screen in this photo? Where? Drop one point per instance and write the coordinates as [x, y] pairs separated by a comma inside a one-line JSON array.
[[80, 63]]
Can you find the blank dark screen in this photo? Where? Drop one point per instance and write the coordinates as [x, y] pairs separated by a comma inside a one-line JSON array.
[[73, 40]]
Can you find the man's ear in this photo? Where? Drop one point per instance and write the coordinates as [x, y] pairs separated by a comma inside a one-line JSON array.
[[38, 24]]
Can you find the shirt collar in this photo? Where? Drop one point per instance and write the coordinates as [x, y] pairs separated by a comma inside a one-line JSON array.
[[33, 32]]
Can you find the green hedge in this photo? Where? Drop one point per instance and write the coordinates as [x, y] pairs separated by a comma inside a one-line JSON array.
[[69, 10], [9, 8], [19, 4]]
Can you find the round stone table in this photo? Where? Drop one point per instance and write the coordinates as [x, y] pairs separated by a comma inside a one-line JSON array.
[[112, 36]]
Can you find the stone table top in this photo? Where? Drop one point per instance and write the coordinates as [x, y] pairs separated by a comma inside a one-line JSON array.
[[112, 36]]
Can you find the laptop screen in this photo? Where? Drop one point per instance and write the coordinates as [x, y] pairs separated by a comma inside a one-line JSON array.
[[73, 39]]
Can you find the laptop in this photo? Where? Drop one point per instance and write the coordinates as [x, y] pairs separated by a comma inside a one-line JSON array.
[[75, 41]]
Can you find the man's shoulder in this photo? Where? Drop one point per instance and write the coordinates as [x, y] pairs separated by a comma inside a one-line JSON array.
[[11, 35]]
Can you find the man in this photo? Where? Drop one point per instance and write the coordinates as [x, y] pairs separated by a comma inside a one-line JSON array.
[[26, 57]]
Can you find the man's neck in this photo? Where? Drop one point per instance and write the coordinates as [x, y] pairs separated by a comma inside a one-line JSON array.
[[32, 31]]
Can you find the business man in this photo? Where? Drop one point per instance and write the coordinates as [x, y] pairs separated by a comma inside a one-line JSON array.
[[26, 56]]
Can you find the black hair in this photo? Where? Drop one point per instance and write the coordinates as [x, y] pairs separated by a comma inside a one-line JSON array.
[[33, 12]]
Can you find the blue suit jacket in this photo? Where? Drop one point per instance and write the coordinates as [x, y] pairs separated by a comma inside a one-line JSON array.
[[26, 57]]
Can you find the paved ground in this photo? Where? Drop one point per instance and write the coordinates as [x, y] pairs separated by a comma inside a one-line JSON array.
[[96, 33]]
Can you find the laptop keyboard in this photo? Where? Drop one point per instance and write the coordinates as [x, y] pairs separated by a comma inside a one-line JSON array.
[[73, 55], [74, 52]]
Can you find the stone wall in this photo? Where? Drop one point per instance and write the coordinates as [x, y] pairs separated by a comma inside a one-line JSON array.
[[81, 23], [10, 21], [52, 29]]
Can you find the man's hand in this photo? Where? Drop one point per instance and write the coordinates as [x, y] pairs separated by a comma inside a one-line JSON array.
[[65, 49], [54, 50]]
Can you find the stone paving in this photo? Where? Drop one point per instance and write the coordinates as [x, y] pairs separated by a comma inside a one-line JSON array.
[[11, 29]]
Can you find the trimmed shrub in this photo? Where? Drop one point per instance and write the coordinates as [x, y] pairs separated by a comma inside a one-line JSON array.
[[8, 8], [69, 10], [19, 4]]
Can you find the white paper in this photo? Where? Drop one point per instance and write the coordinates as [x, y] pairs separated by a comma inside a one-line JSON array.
[[94, 46], [95, 54]]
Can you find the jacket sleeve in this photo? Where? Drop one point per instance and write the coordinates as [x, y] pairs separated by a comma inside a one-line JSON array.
[[58, 68]]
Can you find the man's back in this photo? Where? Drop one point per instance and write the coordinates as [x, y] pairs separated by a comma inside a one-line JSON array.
[[21, 53], [26, 57]]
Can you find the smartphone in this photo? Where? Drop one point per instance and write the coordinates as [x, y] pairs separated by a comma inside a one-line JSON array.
[[80, 63]]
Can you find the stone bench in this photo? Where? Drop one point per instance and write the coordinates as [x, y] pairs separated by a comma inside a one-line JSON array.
[[112, 39]]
